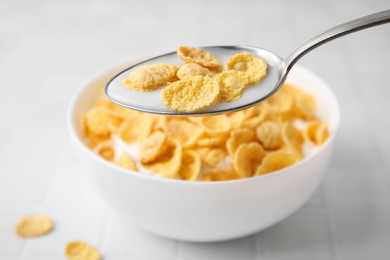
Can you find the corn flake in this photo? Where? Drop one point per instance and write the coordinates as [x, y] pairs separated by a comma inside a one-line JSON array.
[[237, 137], [185, 132], [317, 132], [211, 156], [190, 166], [281, 102], [275, 161], [254, 67], [152, 146], [247, 158], [236, 118], [269, 135], [93, 140], [199, 56], [293, 139], [207, 140], [151, 77], [169, 163], [191, 95], [100, 121], [232, 84], [305, 106], [33, 226], [136, 128], [215, 125], [106, 150], [127, 162], [192, 69], [78, 250]]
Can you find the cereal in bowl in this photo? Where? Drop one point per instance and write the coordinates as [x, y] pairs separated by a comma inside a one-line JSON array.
[[268, 137]]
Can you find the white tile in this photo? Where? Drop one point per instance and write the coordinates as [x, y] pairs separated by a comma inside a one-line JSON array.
[[68, 175], [373, 88], [235, 249], [354, 141], [11, 116], [27, 161], [378, 122], [124, 239], [360, 184], [363, 231], [304, 235]]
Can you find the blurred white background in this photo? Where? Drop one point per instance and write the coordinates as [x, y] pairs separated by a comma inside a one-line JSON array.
[[48, 49]]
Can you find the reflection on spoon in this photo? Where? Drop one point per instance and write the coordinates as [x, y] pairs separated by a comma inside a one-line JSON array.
[[278, 70]]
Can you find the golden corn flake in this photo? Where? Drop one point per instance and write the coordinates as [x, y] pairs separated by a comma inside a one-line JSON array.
[[106, 150], [78, 250], [252, 122], [236, 118], [152, 147], [275, 161], [93, 140], [281, 102], [305, 106], [100, 121], [215, 125], [136, 128], [211, 156], [251, 112], [247, 158], [190, 166], [191, 95], [293, 139], [151, 77], [185, 132], [254, 67], [317, 132], [117, 110], [199, 56], [239, 136], [232, 84], [169, 163], [127, 162], [207, 140], [33, 226], [192, 69], [269, 135]]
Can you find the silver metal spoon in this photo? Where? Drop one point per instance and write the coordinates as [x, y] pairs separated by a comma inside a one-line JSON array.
[[278, 70]]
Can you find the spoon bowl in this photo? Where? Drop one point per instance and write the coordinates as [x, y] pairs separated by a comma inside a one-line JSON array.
[[278, 70], [150, 102]]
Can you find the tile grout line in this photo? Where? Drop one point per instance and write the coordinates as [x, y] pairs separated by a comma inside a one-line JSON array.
[[178, 245], [330, 222], [42, 206]]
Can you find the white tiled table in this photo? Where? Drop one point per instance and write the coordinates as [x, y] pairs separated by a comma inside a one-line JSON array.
[[49, 48]]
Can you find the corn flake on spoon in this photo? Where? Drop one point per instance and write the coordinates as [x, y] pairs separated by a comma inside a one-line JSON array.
[[278, 70]]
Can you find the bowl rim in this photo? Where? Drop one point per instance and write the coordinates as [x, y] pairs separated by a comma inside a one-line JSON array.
[[71, 128]]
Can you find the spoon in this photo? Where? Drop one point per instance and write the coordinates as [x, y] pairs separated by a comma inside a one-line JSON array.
[[278, 70]]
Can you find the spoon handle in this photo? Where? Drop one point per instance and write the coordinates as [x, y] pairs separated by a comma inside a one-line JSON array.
[[333, 33]]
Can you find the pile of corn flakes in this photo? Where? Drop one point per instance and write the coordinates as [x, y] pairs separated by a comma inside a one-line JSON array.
[[199, 84], [252, 142]]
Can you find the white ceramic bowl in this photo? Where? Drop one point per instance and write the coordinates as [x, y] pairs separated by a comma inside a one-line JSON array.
[[205, 211]]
